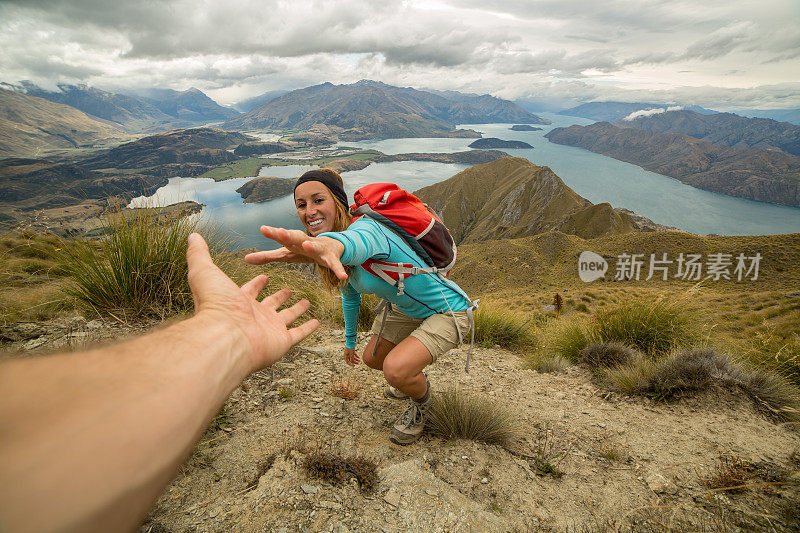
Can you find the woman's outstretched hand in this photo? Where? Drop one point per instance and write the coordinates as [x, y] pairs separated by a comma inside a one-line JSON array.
[[301, 248]]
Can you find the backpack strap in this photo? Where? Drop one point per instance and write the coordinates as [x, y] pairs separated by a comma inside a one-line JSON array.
[[367, 211]]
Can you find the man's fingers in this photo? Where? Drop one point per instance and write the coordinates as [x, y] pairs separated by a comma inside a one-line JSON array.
[[303, 330], [255, 285], [198, 260], [197, 252], [276, 299], [290, 314], [281, 254]]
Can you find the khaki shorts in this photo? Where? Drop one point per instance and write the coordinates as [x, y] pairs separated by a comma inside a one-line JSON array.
[[437, 332]]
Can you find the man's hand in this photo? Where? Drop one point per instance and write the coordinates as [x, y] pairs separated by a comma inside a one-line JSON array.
[[264, 328], [301, 248], [351, 356]]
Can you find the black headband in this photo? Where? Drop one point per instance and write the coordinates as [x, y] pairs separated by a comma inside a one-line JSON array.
[[327, 179]]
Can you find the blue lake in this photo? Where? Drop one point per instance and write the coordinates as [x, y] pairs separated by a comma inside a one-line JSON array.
[[593, 176]]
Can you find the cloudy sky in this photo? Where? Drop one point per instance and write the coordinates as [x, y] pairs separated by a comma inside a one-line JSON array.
[[726, 54]]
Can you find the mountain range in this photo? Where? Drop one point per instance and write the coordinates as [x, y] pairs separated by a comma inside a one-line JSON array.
[[32, 127], [616, 111], [756, 174], [373, 110], [724, 129], [782, 115], [512, 197], [148, 110]]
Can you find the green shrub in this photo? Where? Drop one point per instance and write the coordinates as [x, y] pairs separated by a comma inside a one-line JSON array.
[[495, 326], [653, 327], [455, 414], [138, 269]]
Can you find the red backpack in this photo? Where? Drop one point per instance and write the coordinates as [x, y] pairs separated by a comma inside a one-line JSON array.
[[413, 221]]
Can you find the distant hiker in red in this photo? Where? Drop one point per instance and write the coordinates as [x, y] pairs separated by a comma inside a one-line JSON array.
[[394, 248]]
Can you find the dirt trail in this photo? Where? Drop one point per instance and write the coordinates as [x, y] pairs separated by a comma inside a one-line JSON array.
[[621, 457]]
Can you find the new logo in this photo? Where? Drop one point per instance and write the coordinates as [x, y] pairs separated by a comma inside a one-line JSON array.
[[591, 266]]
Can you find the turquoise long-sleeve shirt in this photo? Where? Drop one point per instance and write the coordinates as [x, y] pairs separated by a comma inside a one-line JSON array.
[[424, 295]]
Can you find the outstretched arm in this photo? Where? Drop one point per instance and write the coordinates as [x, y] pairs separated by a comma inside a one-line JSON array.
[[88, 440], [301, 248]]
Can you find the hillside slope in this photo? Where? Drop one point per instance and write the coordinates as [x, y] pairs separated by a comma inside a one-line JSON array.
[[512, 197], [724, 129], [764, 175], [31, 126], [146, 110], [198, 145]]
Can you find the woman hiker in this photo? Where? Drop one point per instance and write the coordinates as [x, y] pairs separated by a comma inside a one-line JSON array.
[[420, 323]]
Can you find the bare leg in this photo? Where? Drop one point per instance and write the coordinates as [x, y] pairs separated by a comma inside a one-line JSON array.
[[403, 365], [374, 358]]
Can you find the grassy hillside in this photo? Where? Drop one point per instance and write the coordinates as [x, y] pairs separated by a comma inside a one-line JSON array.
[[31, 126]]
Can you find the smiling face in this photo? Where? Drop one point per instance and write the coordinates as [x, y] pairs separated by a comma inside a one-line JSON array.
[[315, 207]]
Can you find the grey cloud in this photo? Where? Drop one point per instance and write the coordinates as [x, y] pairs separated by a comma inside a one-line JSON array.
[[722, 41], [568, 94], [557, 62]]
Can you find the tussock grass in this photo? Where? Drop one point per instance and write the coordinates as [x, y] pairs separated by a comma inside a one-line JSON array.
[[775, 350], [546, 363], [696, 369], [653, 327], [139, 269], [607, 354], [567, 339], [632, 378], [497, 326], [455, 414]]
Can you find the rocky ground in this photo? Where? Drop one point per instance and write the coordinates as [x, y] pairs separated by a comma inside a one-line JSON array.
[[617, 462]]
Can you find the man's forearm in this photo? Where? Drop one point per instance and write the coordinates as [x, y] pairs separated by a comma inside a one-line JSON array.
[[112, 425]]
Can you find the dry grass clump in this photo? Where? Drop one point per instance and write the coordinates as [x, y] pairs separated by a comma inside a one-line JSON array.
[[497, 326], [549, 454], [774, 391], [546, 363], [730, 474], [607, 354], [336, 469], [345, 388], [138, 269], [456, 414], [653, 327], [696, 369]]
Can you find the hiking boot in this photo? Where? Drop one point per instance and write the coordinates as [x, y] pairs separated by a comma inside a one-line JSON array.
[[409, 426], [394, 394]]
